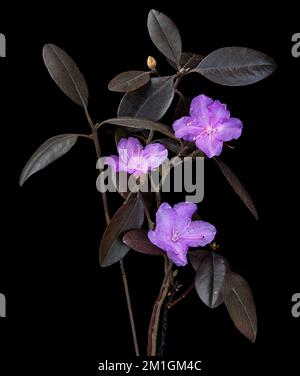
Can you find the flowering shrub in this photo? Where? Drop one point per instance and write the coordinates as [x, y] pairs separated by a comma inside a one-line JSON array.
[[141, 149]]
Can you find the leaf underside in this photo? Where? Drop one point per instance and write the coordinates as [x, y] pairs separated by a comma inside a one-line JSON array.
[[240, 305], [236, 66], [210, 279], [129, 216], [66, 74], [47, 153], [165, 35], [237, 186], [149, 102]]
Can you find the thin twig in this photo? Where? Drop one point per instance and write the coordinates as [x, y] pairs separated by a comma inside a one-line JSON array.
[[107, 217], [150, 137], [128, 300], [183, 296], [90, 136], [158, 199], [103, 194]]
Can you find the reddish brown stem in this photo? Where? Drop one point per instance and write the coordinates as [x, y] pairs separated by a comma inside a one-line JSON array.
[[154, 322], [183, 296]]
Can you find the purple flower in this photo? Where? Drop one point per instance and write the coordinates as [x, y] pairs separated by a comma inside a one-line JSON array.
[[175, 231], [135, 159], [209, 125]]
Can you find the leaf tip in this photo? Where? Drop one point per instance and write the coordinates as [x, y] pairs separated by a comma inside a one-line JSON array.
[[253, 339], [154, 11], [46, 47], [22, 178]]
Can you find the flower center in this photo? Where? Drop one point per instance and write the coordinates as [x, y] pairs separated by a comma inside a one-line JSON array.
[[177, 233], [206, 132], [175, 236], [210, 130]]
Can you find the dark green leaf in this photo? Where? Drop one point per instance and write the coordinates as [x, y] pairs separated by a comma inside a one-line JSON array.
[[66, 74], [240, 305], [197, 256], [210, 279], [151, 101], [237, 186], [138, 241], [129, 81], [130, 216], [236, 66], [132, 122], [165, 35], [47, 153]]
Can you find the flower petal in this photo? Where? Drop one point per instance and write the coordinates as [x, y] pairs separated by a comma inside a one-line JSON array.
[[165, 219], [230, 129], [186, 209], [137, 165], [218, 113], [178, 254], [199, 107], [113, 161], [209, 144], [129, 148], [199, 233], [154, 155], [186, 128]]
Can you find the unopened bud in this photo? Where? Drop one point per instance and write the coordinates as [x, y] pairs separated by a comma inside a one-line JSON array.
[[151, 63]]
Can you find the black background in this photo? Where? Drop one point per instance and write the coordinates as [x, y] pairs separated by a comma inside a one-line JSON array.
[[63, 311]]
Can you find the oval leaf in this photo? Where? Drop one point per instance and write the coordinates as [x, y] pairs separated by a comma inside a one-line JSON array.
[[151, 101], [129, 216], [210, 279], [238, 187], [240, 305], [165, 35], [66, 74], [131, 122], [138, 241], [236, 66], [47, 153], [197, 256], [129, 81]]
